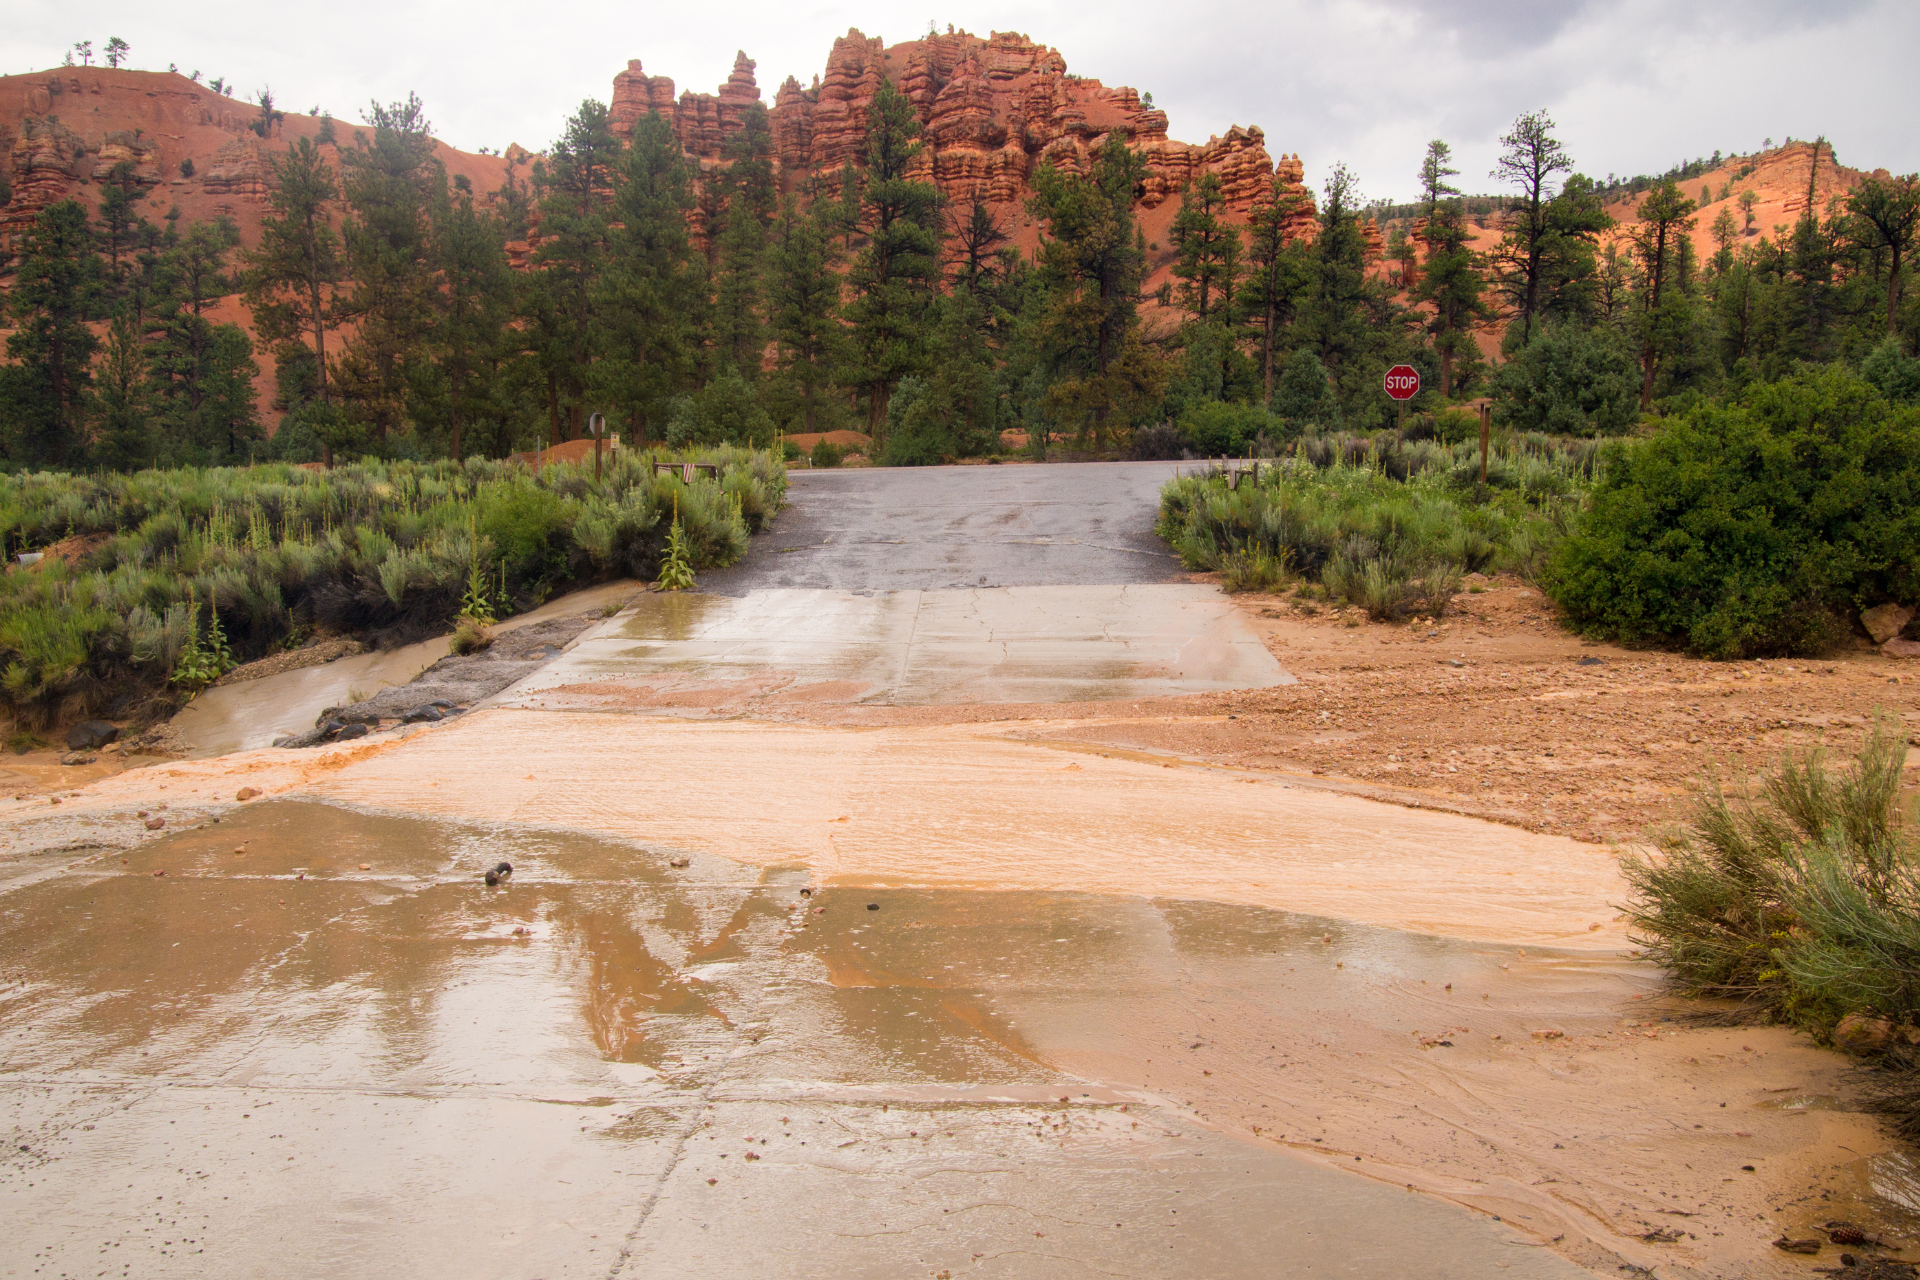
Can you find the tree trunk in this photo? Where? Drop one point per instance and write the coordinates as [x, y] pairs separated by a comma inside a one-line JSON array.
[[454, 415], [1266, 357], [1893, 293]]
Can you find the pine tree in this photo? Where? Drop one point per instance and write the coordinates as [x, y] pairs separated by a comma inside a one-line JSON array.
[[56, 289], [390, 181], [1886, 215], [1208, 248], [739, 333], [1092, 260], [892, 280], [1278, 276], [121, 438], [289, 277], [474, 306], [1453, 287], [1666, 216], [650, 297], [803, 304], [575, 182], [1532, 158]]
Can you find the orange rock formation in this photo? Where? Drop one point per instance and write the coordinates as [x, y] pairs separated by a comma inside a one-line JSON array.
[[992, 110]]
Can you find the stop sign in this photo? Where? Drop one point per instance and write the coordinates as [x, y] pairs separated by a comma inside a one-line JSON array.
[[1403, 382]]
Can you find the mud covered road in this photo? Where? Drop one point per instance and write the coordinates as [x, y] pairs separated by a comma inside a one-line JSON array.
[[871, 920]]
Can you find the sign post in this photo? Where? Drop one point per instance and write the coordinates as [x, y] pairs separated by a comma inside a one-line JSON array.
[[1403, 384], [597, 428]]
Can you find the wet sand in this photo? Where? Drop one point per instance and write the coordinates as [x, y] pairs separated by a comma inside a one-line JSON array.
[[955, 805]]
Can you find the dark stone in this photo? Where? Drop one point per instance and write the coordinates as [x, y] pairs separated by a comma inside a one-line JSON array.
[[90, 735], [500, 874], [442, 704], [422, 715], [1592, 662], [873, 906], [350, 731], [332, 726]]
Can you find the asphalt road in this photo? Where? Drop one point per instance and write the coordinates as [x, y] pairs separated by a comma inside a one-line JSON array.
[[939, 528]]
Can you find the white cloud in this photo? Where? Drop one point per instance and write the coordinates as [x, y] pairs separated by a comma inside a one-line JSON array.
[[1635, 85]]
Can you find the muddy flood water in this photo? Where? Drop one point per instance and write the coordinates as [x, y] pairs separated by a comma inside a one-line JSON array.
[[308, 1040]]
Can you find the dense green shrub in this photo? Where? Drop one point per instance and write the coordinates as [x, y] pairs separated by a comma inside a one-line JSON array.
[[1216, 429], [383, 550], [1570, 380], [1803, 903], [1388, 544], [1745, 529]]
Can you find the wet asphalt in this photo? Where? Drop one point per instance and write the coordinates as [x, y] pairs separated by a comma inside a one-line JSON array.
[[943, 528]]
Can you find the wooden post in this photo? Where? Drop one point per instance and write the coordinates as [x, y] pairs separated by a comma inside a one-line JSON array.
[[1486, 426]]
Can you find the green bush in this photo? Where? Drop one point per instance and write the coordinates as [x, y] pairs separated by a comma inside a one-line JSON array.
[[388, 551], [1217, 429], [1803, 903], [1570, 380], [1386, 544], [1747, 529], [825, 454]]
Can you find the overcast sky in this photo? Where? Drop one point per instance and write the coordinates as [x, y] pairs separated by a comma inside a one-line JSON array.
[[1635, 85]]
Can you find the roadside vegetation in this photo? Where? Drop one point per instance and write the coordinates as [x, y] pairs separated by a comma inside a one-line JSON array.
[[159, 581], [1801, 903], [1389, 522], [1759, 526]]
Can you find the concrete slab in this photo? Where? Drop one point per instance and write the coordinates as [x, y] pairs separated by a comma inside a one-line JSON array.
[[272, 1063], [984, 645]]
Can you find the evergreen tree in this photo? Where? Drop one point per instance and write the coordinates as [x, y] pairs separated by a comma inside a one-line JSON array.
[[289, 277], [739, 334], [55, 292], [1453, 288], [120, 221], [1886, 216], [122, 439], [651, 294], [1279, 275], [1092, 260], [474, 306], [1666, 216], [575, 182], [1532, 158], [803, 304], [390, 181], [1208, 249], [892, 279]]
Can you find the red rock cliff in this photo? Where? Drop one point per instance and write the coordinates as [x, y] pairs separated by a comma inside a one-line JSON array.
[[992, 109]]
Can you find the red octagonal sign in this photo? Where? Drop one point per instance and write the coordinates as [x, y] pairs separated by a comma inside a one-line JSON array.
[[1403, 382]]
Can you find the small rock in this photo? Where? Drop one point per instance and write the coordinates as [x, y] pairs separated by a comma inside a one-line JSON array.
[[350, 732], [422, 715], [153, 824], [500, 874], [1901, 648], [1882, 622], [246, 793], [1797, 1246], [442, 704], [366, 866], [1860, 1034], [160, 872], [1549, 1033], [678, 862], [873, 906], [89, 735], [78, 757]]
